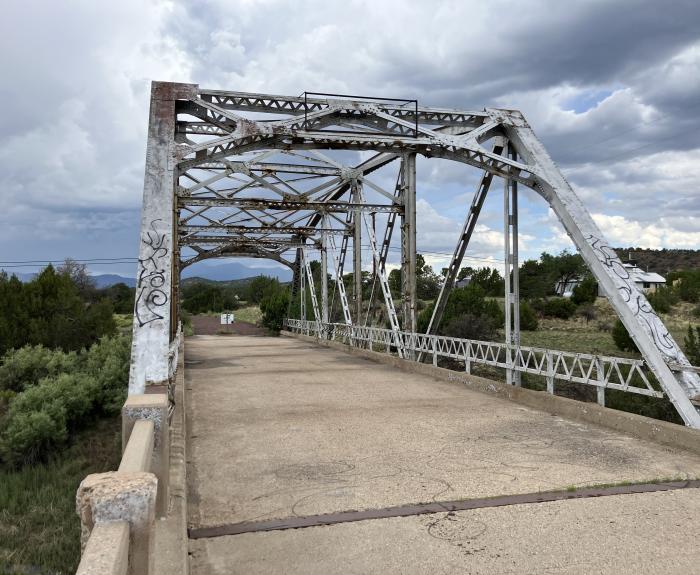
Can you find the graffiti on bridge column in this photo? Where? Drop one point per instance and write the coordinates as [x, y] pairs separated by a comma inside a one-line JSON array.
[[150, 297]]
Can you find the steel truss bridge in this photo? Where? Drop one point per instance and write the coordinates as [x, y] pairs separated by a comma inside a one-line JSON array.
[[266, 176]]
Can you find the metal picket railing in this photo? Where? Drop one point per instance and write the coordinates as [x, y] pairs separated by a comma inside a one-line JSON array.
[[601, 371]]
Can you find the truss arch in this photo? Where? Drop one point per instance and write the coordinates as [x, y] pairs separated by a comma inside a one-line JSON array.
[[281, 187]]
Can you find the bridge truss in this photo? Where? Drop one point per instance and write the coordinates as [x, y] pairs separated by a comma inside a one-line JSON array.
[[277, 177]]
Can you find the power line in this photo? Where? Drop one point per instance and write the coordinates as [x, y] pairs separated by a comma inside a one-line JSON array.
[[61, 261]]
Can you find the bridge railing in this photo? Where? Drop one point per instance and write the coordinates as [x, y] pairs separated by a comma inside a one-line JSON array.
[[600, 371], [118, 509]]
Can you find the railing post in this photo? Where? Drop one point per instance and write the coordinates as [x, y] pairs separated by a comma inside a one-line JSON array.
[[152, 407], [105, 498], [434, 351], [550, 372], [600, 376], [468, 359]]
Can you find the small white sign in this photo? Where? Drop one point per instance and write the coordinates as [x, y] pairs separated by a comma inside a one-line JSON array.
[[227, 318]]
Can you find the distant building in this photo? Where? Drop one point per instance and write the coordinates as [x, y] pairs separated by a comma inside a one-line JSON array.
[[645, 281]]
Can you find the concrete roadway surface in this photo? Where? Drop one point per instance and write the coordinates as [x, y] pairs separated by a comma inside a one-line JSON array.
[[281, 428]]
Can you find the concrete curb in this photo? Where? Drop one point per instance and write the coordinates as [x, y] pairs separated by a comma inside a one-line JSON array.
[[662, 432], [171, 533]]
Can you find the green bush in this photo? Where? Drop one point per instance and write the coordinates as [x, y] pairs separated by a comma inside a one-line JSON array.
[[471, 326], [108, 363], [66, 401], [62, 392], [467, 300], [528, 317], [662, 300], [585, 292], [692, 345], [24, 367], [560, 307], [274, 308], [622, 339]]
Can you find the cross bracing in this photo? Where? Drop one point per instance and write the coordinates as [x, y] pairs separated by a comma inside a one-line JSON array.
[[257, 175]]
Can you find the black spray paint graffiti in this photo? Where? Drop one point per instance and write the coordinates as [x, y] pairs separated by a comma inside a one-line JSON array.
[[150, 298], [634, 299]]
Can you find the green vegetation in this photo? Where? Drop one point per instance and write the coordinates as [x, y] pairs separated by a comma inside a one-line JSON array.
[[39, 529], [50, 311], [201, 297], [51, 394], [64, 365], [692, 345]]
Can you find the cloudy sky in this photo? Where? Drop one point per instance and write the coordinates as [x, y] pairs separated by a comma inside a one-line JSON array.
[[611, 87]]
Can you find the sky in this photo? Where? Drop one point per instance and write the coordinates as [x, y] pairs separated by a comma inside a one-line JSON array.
[[611, 87]]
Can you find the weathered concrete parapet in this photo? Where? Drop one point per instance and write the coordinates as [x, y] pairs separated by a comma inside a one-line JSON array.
[[152, 407], [107, 550], [121, 497]]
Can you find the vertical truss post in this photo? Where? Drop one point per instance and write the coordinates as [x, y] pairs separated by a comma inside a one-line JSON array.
[[357, 249], [384, 283], [386, 243], [408, 243], [515, 283], [312, 289], [302, 285], [324, 269], [154, 314], [339, 282], [600, 375], [507, 308]]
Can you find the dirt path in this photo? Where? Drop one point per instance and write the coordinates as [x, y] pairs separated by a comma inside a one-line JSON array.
[[211, 325]]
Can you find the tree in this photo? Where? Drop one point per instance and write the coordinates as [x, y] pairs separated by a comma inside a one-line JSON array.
[[586, 291], [78, 273], [692, 345], [622, 338], [274, 307], [49, 311]]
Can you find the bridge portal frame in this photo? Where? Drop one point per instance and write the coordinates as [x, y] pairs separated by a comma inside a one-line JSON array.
[[195, 129]]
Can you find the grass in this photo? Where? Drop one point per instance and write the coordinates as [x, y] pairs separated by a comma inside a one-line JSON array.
[[124, 322], [249, 314], [39, 529]]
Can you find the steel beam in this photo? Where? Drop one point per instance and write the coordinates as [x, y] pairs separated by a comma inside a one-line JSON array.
[[408, 243], [286, 205]]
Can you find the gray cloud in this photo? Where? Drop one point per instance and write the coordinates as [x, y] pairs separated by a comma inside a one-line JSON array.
[[75, 96]]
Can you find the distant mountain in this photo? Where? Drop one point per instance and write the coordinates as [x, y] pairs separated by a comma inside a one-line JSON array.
[[106, 280], [234, 271]]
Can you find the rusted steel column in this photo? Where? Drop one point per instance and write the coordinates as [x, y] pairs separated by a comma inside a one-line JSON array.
[[408, 244], [154, 311]]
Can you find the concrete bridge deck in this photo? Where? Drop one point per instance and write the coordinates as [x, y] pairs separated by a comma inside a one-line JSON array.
[[281, 428]]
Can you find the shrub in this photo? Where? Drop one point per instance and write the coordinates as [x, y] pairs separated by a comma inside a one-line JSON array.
[[587, 312], [692, 345], [274, 309], [528, 317], [65, 401], [471, 326], [662, 300], [24, 367], [559, 307], [585, 292], [60, 397], [108, 363], [622, 339], [467, 300]]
